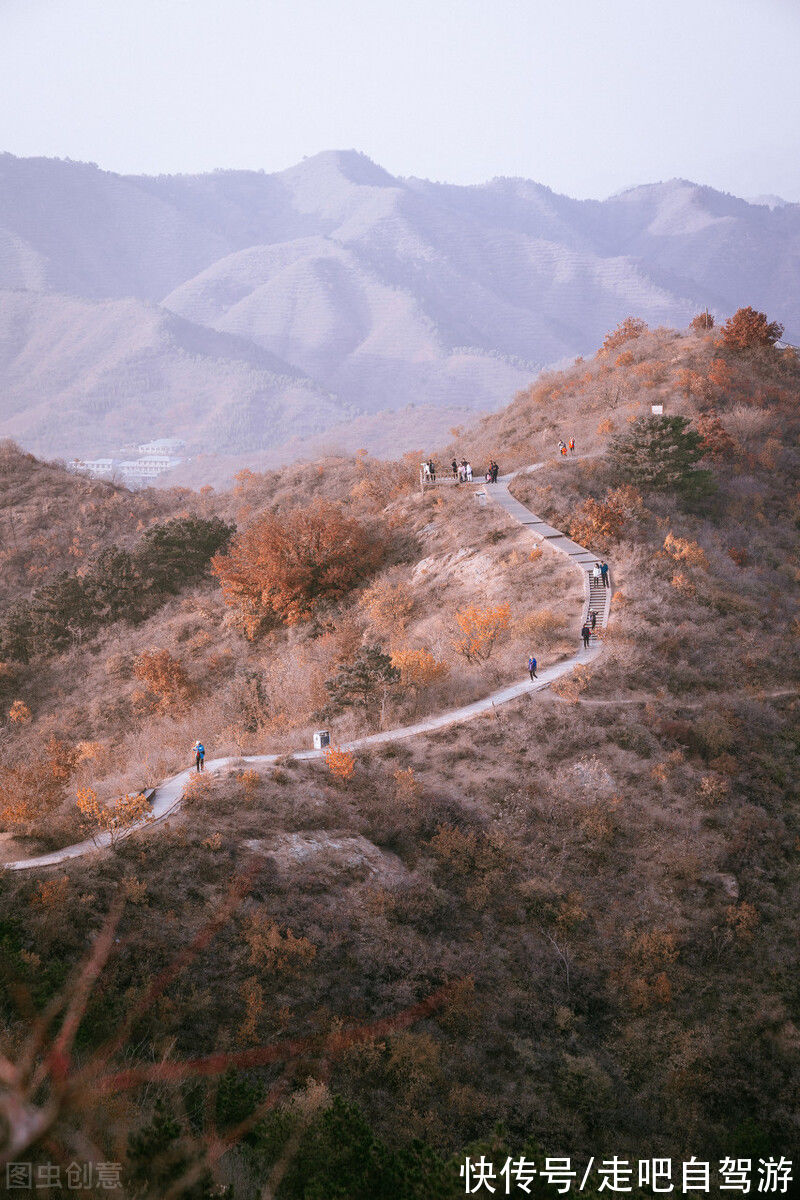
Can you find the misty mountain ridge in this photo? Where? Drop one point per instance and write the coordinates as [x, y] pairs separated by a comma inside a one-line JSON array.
[[239, 309]]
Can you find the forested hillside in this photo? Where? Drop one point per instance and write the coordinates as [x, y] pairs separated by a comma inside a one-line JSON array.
[[563, 929]]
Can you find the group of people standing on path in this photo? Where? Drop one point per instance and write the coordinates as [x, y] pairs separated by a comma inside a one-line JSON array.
[[566, 447], [462, 471], [600, 573]]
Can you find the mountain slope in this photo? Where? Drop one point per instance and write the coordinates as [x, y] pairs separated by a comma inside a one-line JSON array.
[[572, 923], [102, 374], [385, 291]]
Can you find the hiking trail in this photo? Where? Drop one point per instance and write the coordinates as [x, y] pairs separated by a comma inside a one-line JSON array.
[[168, 795]]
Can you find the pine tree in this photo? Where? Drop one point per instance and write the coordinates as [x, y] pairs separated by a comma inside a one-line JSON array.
[[340, 1158], [160, 1156], [59, 614], [114, 588], [180, 550], [364, 683], [660, 454]]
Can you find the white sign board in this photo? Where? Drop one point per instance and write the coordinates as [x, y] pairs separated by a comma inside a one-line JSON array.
[[657, 410]]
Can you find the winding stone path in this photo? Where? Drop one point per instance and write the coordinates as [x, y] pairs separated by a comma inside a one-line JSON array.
[[169, 794]]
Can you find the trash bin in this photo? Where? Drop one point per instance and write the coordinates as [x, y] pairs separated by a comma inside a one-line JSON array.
[[322, 738]]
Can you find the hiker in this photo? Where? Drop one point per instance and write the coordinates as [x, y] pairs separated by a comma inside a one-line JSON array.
[[604, 574], [561, 446], [488, 475], [592, 619], [454, 465], [586, 634], [572, 445], [431, 470], [462, 471], [199, 751], [597, 573], [468, 472], [495, 471], [532, 668]]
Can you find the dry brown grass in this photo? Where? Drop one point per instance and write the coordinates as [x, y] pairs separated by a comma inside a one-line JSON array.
[[612, 885], [187, 672]]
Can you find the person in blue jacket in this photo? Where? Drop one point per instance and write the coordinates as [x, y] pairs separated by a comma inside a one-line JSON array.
[[532, 668], [199, 756]]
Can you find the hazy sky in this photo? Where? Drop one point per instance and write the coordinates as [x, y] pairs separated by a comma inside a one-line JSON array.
[[587, 96]]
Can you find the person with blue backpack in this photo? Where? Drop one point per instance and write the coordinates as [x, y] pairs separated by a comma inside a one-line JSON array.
[[199, 751], [532, 668]]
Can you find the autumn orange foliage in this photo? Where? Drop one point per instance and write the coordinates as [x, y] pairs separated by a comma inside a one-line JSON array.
[[631, 327], [720, 375], [407, 786], [51, 894], [571, 686], [114, 818], [19, 713], [166, 678], [62, 758], [27, 792], [685, 551], [598, 523], [389, 605], [418, 667], [691, 383], [273, 950], [479, 630], [645, 976], [702, 322], [750, 330], [340, 763], [717, 442], [281, 568], [683, 584], [743, 920], [739, 555]]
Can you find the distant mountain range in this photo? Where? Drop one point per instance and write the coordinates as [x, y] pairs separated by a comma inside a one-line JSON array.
[[239, 310]]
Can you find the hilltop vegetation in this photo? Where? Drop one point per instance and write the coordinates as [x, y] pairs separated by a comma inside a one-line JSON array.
[[233, 308], [169, 626], [694, 374], [602, 878]]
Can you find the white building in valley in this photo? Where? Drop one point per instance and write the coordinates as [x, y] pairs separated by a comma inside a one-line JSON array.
[[154, 459], [147, 467], [162, 447], [97, 468]]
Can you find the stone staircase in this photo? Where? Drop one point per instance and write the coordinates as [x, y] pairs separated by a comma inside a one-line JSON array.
[[598, 599]]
